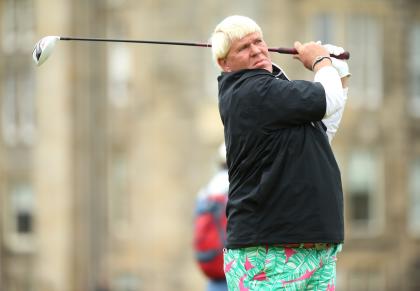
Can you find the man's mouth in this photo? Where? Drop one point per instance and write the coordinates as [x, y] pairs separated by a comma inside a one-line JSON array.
[[259, 62]]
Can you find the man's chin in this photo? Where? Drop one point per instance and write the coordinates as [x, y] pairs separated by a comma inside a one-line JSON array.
[[265, 65]]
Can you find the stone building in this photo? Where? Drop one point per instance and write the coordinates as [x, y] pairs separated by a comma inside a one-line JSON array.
[[103, 147]]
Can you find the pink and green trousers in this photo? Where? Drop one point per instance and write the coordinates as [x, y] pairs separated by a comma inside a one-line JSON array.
[[281, 268]]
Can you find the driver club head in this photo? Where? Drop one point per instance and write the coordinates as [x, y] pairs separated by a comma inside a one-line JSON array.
[[43, 49]]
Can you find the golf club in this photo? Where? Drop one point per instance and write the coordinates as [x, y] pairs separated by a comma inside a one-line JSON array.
[[44, 47]]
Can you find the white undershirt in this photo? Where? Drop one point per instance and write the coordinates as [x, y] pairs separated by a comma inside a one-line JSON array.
[[336, 97]]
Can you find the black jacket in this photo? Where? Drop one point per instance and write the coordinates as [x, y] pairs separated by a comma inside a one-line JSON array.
[[285, 184]]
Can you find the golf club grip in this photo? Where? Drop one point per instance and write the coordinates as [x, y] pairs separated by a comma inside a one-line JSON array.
[[293, 51]]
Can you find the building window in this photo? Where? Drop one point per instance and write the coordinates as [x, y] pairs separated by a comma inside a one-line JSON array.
[[365, 280], [126, 282], [8, 106], [19, 219], [324, 28], [119, 74], [414, 70], [17, 95], [365, 44], [22, 206], [119, 202], [414, 275], [414, 197], [365, 202], [18, 108]]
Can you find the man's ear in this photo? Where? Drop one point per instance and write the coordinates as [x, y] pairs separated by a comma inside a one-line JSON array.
[[223, 63]]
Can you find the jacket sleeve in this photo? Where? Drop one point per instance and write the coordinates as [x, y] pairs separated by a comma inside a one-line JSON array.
[[283, 103]]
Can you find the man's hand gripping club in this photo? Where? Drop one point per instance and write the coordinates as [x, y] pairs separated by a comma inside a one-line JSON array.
[[312, 55]]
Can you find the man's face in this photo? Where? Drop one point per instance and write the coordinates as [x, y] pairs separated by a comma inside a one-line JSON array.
[[250, 52]]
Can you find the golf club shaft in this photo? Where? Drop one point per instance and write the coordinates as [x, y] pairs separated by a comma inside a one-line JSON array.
[[135, 41], [292, 51]]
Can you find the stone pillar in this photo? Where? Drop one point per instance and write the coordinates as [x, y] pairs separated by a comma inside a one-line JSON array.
[[53, 154]]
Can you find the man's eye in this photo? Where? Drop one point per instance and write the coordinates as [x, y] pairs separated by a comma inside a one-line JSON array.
[[243, 48]]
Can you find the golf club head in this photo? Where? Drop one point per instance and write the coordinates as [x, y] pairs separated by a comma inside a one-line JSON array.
[[43, 49]]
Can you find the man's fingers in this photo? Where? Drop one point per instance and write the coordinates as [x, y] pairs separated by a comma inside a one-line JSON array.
[[332, 49], [298, 45], [308, 52], [341, 67]]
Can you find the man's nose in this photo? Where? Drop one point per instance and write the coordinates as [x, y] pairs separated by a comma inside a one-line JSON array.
[[255, 49]]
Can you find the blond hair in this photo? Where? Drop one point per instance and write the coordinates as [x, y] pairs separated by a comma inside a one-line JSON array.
[[227, 31]]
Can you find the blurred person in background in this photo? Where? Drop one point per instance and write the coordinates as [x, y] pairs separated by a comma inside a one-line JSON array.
[[285, 203], [210, 225]]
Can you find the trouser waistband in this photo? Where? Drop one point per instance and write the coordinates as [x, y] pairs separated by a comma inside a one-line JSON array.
[[318, 246]]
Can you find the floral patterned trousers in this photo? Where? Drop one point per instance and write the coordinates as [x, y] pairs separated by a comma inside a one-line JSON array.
[[281, 268]]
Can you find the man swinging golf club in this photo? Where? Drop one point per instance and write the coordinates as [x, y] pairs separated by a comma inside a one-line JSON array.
[[285, 205], [44, 47]]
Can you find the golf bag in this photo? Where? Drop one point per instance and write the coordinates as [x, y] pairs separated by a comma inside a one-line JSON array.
[[210, 234]]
